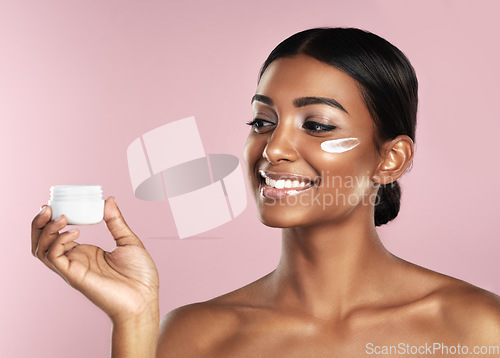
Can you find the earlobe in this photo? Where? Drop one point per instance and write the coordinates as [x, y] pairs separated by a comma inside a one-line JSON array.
[[397, 157]]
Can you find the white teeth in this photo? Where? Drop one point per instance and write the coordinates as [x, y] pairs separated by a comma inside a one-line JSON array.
[[285, 183], [280, 184]]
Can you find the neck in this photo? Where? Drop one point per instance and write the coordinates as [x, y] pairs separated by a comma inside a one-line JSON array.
[[330, 269]]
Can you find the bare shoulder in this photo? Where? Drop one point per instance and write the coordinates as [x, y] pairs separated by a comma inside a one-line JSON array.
[[199, 329], [477, 311], [190, 330], [472, 311]]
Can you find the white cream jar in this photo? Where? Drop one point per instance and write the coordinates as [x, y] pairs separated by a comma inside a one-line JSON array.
[[81, 204]]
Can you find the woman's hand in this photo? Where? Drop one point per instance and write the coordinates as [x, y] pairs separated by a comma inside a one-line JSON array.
[[123, 282]]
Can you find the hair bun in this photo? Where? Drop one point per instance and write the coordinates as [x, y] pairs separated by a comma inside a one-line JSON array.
[[387, 203]]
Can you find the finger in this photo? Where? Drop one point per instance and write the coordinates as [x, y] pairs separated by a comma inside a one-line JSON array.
[[70, 246], [39, 221], [48, 235], [56, 254], [117, 226]]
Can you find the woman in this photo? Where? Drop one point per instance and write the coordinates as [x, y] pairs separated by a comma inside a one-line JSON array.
[[333, 129]]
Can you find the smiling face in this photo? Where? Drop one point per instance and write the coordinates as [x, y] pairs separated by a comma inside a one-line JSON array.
[[301, 103]]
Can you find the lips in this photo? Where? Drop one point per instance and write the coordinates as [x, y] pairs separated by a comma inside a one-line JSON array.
[[281, 185]]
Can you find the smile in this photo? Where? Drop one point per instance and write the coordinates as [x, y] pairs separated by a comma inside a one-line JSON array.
[[277, 186]]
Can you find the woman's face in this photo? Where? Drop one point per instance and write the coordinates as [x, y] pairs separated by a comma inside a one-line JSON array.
[[299, 104]]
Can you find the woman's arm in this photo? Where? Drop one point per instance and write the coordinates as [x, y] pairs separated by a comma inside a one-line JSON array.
[[136, 336], [123, 282]]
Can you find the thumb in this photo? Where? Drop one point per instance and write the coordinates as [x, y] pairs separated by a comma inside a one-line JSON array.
[[117, 226]]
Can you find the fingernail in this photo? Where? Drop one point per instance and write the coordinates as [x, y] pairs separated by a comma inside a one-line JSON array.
[[72, 231], [58, 218], [42, 210]]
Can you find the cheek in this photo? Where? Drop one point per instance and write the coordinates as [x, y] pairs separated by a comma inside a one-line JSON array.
[[339, 156], [347, 171]]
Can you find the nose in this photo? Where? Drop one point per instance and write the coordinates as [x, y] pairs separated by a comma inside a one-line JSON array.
[[280, 146]]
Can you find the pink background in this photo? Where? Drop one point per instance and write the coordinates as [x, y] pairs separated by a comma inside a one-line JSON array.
[[80, 80]]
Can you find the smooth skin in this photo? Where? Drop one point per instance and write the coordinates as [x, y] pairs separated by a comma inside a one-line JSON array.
[[336, 291]]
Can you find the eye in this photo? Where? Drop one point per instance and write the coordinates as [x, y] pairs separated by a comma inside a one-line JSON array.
[[316, 127], [260, 125]]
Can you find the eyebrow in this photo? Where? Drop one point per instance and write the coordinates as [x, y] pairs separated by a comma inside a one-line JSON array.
[[302, 101], [305, 101], [263, 99]]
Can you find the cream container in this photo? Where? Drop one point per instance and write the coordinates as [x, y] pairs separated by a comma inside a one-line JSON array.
[[81, 204]]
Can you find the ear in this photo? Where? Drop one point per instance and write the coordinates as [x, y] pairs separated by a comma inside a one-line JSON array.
[[397, 156]]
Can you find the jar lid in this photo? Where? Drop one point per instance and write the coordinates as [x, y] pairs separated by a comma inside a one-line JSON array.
[[76, 192]]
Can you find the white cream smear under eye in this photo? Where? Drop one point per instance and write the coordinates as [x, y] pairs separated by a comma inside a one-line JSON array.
[[339, 145]]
